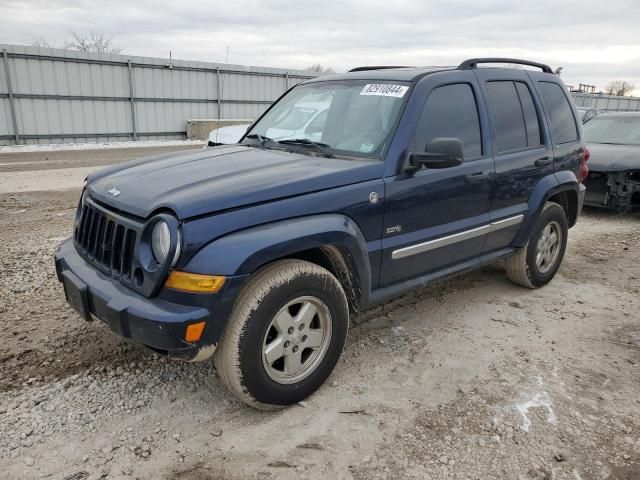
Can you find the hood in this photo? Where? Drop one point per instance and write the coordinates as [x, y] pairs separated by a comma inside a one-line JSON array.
[[199, 182], [613, 158]]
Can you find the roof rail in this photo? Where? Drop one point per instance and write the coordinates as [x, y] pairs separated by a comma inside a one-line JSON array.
[[377, 67], [473, 63]]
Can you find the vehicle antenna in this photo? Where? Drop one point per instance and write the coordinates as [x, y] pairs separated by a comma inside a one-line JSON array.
[[226, 63]]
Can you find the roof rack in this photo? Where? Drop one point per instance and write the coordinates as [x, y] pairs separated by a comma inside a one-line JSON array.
[[473, 63], [377, 67]]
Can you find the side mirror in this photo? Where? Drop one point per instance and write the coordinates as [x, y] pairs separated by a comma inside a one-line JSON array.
[[442, 152]]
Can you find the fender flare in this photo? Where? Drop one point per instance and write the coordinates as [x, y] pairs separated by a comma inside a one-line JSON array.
[[547, 187], [246, 251]]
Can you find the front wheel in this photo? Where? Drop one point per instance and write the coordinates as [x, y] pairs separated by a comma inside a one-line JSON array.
[[538, 262], [285, 335]]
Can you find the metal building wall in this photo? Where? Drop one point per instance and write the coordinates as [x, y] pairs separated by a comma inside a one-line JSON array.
[[68, 96], [607, 102]]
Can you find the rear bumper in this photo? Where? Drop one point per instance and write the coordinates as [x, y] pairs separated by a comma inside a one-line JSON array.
[[158, 323]]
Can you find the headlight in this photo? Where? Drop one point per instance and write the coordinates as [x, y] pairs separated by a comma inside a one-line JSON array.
[[161, 242]]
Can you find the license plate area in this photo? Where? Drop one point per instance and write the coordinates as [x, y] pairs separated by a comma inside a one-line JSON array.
[[76, 293]]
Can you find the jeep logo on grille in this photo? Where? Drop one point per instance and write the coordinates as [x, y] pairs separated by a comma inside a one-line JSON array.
[[114, 192]]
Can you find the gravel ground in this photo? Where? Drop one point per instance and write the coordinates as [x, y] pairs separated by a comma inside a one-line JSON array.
[[471, 378]]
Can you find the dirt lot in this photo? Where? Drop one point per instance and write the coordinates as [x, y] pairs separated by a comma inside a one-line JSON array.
[[473, 378]]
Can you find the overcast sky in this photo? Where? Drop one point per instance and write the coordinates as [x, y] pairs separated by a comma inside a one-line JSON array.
[[595, 41]]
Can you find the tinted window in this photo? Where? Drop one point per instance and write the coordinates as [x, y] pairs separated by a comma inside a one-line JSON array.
[[562, 123], [511, 132], [450, 111], [530, 115]]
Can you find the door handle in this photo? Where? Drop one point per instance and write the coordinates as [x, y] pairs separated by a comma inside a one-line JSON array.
[[544, 161], [476, 177]]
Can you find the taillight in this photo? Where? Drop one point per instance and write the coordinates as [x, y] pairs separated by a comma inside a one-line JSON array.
[[584, 169]]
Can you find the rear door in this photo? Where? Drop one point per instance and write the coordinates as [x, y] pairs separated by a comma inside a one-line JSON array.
[[437, 218], [522, 152]]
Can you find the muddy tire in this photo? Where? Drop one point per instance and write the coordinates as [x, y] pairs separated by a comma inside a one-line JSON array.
[[285, 335], [538, 262]]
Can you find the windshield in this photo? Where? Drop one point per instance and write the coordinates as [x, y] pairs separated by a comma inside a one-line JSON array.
[[351, 118], [297, 118], [623, 130]]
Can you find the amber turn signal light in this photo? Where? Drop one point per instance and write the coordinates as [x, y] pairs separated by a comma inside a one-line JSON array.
[[194, 332], [194, 282]]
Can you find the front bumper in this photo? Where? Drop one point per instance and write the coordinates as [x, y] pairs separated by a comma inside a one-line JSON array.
[[614, 190], [159, 322]]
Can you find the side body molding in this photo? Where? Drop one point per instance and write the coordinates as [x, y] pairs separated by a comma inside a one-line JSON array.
[[245, 251]]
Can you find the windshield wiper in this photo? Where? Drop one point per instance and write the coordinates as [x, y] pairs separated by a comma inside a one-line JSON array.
[[321, 147], [261, 139]]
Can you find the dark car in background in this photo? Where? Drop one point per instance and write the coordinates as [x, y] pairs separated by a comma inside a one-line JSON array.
[[614, 168], [587, 114]]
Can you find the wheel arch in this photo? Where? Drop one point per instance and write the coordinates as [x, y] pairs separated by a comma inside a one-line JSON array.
[[561, 188], [331, 241], [568, 200]]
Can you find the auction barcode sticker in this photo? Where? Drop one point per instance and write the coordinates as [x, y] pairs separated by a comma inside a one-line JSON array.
[[384, 90]]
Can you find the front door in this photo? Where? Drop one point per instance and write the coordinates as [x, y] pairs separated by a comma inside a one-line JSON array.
[[437, 218]]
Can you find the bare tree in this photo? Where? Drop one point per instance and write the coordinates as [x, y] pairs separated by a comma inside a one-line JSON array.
[[91, 42], [619, 88], [84, 42], [41, 42], [317, 68]]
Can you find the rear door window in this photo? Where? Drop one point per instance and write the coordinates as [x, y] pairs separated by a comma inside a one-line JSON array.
[[530, 115], [562, 124], [511, 131]]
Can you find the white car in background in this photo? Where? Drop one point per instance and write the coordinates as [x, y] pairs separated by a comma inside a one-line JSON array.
[[305, 121], [227, 135]]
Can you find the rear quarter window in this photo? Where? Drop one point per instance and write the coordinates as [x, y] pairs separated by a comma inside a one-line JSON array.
[[559, 113]]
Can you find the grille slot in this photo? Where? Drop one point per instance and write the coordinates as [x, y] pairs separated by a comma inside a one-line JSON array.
[[105, 241]]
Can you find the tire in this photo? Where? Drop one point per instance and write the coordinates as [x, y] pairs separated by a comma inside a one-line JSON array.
[[265, 315], [524, 268]]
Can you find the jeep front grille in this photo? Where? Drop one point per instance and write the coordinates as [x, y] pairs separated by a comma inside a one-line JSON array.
[[104, 241]]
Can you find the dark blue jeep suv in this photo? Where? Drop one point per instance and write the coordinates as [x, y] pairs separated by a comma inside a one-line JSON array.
[[350, 190]]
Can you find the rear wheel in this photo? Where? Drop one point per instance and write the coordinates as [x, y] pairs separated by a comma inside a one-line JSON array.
[[538, 262], [285, 335]]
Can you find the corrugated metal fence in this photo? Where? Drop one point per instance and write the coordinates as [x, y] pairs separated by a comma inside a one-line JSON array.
[[607, 102], [52, 95]]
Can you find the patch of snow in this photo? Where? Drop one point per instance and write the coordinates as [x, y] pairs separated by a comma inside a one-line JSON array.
[[540, 399], [52, 147]]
